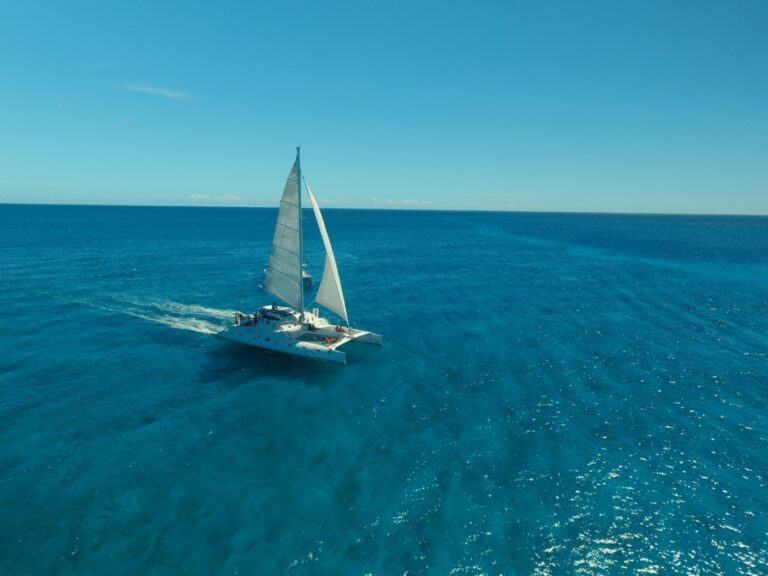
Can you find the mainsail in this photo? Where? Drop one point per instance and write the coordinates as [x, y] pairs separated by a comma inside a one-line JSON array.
[[329, 294], [283, 273]]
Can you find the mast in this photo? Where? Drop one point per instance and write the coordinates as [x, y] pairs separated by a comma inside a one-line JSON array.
[[301, 233]]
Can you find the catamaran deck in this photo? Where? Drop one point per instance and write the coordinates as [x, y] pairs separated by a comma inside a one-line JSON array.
[[281, 329]]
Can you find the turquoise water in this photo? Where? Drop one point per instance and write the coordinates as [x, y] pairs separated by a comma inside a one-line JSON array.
[[557, 394]]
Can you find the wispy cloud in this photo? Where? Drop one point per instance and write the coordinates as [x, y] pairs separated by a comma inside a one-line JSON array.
[[207, 198], [406, 202], [158, 91]]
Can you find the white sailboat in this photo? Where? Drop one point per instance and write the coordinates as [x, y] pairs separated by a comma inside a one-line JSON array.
[[292, 329]]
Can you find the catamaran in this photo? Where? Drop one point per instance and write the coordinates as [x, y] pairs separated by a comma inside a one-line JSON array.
[[292, 329]]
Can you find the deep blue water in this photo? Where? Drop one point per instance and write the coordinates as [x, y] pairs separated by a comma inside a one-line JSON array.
[[557, 394]]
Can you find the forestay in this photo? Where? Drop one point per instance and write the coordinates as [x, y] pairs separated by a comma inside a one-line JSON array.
[[284, 265], [329, 294]]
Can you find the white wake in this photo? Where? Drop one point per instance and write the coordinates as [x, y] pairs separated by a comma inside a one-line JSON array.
[[176, 315], [178, 323]]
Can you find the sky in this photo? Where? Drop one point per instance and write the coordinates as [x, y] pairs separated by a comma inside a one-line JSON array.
[[599, 106]]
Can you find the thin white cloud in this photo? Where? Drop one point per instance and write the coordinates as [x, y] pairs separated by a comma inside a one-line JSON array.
[[406, 202], [207, 198], [158, 91]]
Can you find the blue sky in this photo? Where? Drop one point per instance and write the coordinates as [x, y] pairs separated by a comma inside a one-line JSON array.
[[628, 106]]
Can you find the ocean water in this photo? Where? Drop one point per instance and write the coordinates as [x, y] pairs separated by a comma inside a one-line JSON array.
[[557, 394]]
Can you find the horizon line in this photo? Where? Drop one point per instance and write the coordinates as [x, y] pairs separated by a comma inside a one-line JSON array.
[[393, 209]]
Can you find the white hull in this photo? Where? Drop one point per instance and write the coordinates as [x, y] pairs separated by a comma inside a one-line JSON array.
[[280, 329]]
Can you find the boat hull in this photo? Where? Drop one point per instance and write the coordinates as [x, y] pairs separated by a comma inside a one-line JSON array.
[[251, 336], [285, 330], [365, 337]]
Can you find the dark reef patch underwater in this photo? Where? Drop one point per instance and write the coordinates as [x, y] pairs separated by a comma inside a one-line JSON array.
[[557, 394]]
